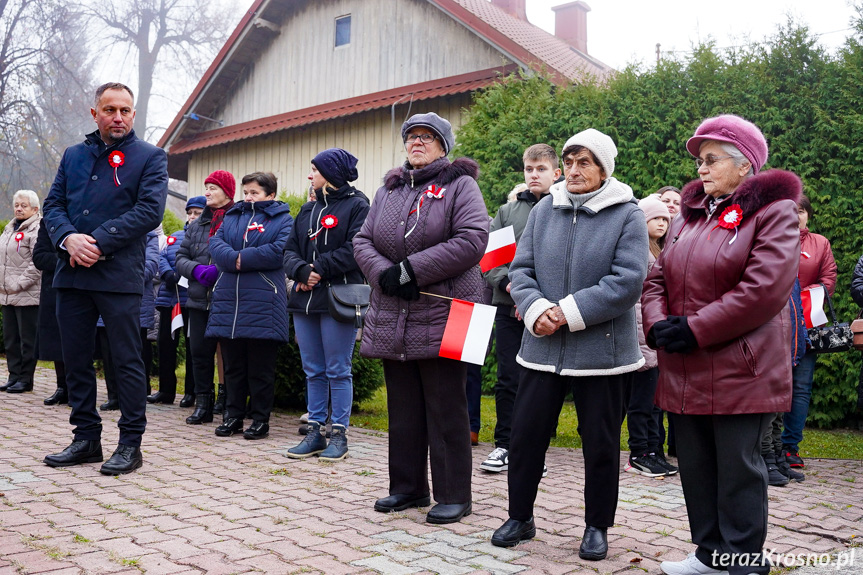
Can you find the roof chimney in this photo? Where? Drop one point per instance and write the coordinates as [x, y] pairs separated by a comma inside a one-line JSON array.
[[512, 7], [570, 24]]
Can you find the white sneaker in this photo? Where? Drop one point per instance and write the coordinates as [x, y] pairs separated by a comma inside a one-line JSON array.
[[689, 566], [304, 418], [544, 470], [497, 461]]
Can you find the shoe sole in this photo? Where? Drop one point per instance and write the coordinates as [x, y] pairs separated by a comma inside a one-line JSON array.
[[290, 455], [593, 556], [491, 469], [424, 502], [322, 458], [228, 433], [91, 459], [529, 534], [137, 465], [637, 471], [247, 436], [448, 520]]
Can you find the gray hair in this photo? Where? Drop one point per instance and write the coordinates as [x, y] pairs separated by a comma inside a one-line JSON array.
[[736, 155], [29, 195]]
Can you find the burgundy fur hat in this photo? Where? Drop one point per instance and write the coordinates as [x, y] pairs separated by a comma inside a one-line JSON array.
[[735, 130]]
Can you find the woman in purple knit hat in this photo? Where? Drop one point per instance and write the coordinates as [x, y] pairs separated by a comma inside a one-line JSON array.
[[715, 306]]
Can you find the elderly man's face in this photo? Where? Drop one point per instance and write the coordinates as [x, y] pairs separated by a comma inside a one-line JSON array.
[[583, 175], [114, 115]]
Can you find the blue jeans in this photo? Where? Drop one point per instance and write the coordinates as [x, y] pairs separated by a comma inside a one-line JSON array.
[[801, 377], [326, 348]]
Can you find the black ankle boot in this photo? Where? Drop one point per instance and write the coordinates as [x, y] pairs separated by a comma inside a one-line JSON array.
[[58, 397], [219, 406], [188, 400], [203, 410]]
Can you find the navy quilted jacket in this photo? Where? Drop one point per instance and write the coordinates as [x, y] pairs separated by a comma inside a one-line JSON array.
[[168, 289], [252, 302]]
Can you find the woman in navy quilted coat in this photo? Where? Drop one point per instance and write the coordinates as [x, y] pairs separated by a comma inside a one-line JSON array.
[[249, 313]]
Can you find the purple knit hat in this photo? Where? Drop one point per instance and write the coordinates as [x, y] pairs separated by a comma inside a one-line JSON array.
[[735, 130]]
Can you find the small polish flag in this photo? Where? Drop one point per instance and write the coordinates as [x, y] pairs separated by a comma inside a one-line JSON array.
[[813, 306], [500, 250], [467, 331], [176, 319]]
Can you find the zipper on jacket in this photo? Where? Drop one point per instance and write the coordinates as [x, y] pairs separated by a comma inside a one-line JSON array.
[[266, 279], [237, 287], [566, 279]]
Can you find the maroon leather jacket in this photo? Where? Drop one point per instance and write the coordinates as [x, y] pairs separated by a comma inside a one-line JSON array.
[[735, 296], [444, 249]]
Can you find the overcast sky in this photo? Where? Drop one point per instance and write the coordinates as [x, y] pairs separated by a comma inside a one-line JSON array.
[[623, 31]]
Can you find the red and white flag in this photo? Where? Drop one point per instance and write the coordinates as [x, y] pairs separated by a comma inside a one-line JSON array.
[[176, 319], [467, 331], [500, 249], [813, 306]]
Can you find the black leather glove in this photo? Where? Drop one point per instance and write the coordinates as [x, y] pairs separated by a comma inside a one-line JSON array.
[[399, 281], [674, 335]]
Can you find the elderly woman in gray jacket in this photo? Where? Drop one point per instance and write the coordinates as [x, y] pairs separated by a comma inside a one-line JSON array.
[[576, 277], [418, 248]]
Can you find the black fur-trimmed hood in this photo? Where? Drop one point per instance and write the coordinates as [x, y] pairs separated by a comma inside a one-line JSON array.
[[441, 171], [753, 194]]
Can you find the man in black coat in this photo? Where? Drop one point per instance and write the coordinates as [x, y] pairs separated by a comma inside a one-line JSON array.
[[109, 192]]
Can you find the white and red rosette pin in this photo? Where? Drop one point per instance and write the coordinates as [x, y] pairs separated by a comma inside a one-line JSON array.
[[729, 219], [435, 192], [18, 237], [329, 221], [171, 240], [116, 159], [253, 227]]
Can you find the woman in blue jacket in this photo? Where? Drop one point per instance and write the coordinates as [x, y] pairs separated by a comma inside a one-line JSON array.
[[320, 252], [249, 316]]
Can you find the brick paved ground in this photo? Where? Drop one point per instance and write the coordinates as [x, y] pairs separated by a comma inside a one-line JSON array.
[[203, 504]]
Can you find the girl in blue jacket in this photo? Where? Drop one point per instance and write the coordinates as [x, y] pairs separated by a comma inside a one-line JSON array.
[[248, 315], [320, 253]]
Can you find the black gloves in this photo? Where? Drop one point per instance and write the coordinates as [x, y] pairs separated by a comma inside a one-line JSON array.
[[170, 278], [303, 273], [399, 281], [673, 334]]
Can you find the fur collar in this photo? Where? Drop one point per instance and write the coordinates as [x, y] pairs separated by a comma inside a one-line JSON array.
[[612, 192], [753, 194], [441, 171]]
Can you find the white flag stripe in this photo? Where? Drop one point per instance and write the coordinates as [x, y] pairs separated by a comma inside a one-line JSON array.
[[183, 282], [818, 317], [478, 333], [500, 238]]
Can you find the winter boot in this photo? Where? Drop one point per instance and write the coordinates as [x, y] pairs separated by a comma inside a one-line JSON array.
[[774, 476], [188, 400], [219, 406], [312, 444], [338, 447], [786, 470], [203, 410], [58, 397]]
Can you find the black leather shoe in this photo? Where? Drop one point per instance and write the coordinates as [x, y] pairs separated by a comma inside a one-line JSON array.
[[126, 459], [79, 451], [594, 544], [231, 426], [258, 430], [161, 397], [110, 405], [400, 502], [188, 400], [58, 397], [7, 385], [513, 531], [20, 387], [443, 513]]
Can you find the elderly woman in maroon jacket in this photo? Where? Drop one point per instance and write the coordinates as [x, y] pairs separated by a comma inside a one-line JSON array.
[[425, 234], [715, 305]]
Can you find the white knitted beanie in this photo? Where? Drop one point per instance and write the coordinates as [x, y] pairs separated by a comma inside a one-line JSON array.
[[653, 208], [601, 145]]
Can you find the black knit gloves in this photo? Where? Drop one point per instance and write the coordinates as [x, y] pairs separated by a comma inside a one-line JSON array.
[[673, 334], [399, 281]]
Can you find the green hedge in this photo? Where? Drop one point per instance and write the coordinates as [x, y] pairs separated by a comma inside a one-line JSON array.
[[807, 102]]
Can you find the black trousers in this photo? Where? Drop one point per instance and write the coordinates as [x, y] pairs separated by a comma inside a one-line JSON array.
[[599, 406], [428, 419], [77, 313], [20, 324], [724, 482], [508, 333], [640, 413], [250, 371], [203, 351], [168, 354]]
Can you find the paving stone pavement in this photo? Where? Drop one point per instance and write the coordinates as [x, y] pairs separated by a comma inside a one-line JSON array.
[[203, 504]]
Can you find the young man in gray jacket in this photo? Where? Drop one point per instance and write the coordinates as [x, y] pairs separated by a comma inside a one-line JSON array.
[[581, 332]]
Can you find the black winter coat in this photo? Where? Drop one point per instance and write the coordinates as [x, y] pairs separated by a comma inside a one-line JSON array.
[[194, 251], [331, 251], [45, 259]]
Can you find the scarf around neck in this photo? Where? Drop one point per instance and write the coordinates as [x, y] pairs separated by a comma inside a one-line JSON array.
[[218, 217]]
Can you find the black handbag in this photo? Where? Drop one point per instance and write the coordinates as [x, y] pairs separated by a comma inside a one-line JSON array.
[[831, 338], [349, 302]]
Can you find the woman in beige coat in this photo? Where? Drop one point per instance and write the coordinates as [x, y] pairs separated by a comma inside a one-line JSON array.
[[19, 291]]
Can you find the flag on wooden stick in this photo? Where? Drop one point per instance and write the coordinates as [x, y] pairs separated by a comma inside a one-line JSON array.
[[467, 331]]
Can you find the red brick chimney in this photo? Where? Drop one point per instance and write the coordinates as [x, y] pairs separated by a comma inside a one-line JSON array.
[[570, 24], [512, 7]]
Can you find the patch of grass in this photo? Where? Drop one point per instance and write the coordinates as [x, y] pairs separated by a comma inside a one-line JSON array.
[[365, 472], [817, 443], [80, 538], [282, 471]]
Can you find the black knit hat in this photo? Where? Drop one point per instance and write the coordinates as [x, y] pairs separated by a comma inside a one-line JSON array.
[[337, 166]]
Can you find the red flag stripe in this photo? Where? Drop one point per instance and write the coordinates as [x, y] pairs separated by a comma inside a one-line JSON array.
[[454, 334], [497, 257]]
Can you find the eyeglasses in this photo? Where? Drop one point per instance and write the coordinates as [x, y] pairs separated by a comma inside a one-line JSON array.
[[709, 160], [424, 138]]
